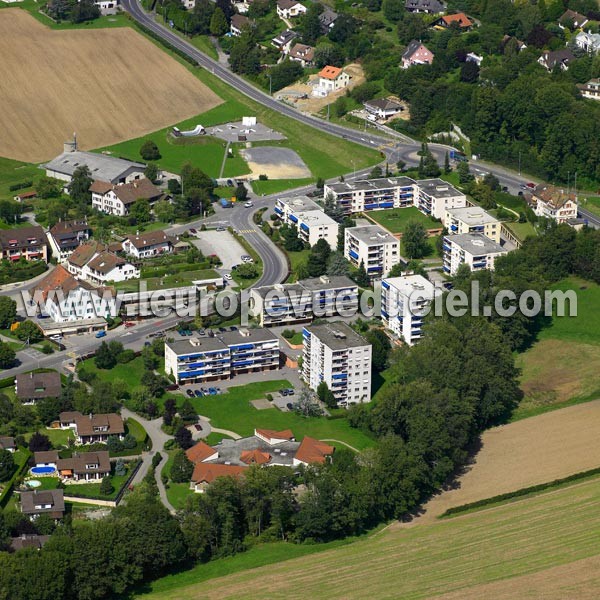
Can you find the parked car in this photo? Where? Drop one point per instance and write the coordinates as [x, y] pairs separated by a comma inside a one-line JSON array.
[[172, 387], [227, 276], [190, 393], [248, 205], [283, 392], [212, 391], [198, 427], [198, 393], [201, 332], [230, 182], [233, 328], [221, 228], [222, 329], [56, 337], [290, 392], [129, 324], [204, 391], [43, 316], [289, 406], [101, 334], [192, 230]]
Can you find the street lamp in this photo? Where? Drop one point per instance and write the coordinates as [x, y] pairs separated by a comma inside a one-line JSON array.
[[270, 76]]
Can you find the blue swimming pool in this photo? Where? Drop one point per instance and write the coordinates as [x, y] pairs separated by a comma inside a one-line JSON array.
[[42, 470]]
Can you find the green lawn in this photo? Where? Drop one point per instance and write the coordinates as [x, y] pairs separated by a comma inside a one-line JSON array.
[[13, 172], [177, 493], [58, 437], [296, 339], [396, 219], [182, 279], [273, 186], [592, 204], [521, 230], [233, 411], [130, 372], [92, 490], [296, 259]]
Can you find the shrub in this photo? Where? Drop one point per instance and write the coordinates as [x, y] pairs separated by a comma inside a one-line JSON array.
[[288, 334], [263, 177], [47, 348], [125, 356], [106, 487], [128, 442]]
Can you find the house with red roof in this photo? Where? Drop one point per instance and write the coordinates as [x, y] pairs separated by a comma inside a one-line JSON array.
[[459, 20], [332, 79], [313, 452]]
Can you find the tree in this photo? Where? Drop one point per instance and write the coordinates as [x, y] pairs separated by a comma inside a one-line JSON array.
[[464, 173], [361, 277], [344, 27], [155, 384], [182, 468], [291, 241], [393, 9], [106, 487], [318, 257], [140, 211], [447, 167], [469, 72], [414, 240], [104, 358], [149, 151], [325, 395], [39, 442], [218, 23], [164, 211], [48, 187], [247, 271], [8, 311], [29, 332], [169, 411], [7, 465], [310, 24], [338, 265], [79, 187], [7, 409], [380, 348], [151, 171], [306, 405], [285, 73], [48, 409], [85, 10], [187, 411], [183, 437], [241, 193], [150, 359]]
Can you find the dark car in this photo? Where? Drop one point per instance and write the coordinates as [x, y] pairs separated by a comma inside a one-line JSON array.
[[190, 393], [172, 387], [290, 392], [290, 406], [192, 230], [283, 392], [198, 393], [222, 329], [233, 328], [198, 427]]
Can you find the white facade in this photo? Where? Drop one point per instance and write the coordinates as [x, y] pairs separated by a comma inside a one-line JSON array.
[[287, 9], [436, 196], [403, 302], [109, 203], [474, 249], [588, 41], [154, 243], [99, 272], [332, 79], [373, 246], [472, 219], [336, 354], [310, 219], [80, 304], [556, 205]]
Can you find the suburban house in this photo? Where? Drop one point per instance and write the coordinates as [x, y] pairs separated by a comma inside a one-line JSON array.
[[327, 19], [238, 24], [65, 236], [288, 9], [94, 263], [283, 41], [436, 196], [519, 44], [313, 452], [303, 54], [591, 89], [472, 219], [117, 199], [201, 452], [404, 301], [474, 58], [431, 7], [201, 359], [556, 58], [287, 303], [416, 53], [107, 7], [84, 466], [332, 79], [28, 540], [91, 428], [205, 473], [554, 203], [102, 167], [572, 19], [373, 247], [153, 243], [383, 108], [588, 41], [475, 250], [7, 443], [31, 387], [26, 242], [46, 458], [336, 354], [45, 502], [309, 218], [459, 20], [82, 255]]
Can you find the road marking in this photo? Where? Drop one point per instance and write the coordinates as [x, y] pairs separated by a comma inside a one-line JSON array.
[[247, 231]]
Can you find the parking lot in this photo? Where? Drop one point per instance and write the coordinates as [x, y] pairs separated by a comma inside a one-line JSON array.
[[221, 243]]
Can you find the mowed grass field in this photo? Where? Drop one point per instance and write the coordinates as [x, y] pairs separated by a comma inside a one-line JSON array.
[[511, 546], [108, 85]]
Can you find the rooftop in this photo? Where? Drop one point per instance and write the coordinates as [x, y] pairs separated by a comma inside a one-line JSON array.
[[327, 282], [476, 244], [371, 235], [554, 196], [438, 188], [221, 341], [22, 237], [412, 284], [101, 166], [52, 498], [235, 451], [329, 72], [472, 215], [38, 385], [300, 203], [60, 279], [337, 335], [382, 183], [384, 104], [312, 451]]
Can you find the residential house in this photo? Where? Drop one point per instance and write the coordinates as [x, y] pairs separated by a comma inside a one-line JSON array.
[[475, 250], [46, 502], [591, 89], [431, 7], [28, 540], [312, 452], [332, 79], [107, 7], [327, 20], [474, 58], [472, 219], [460, 20], [336, 354], [90, 429], [571, 19], [82, 255], [303, 54], [31, 387], [26, 242], [146, 245], [588, 41], [288, 9], [45, 458], [273, 438], [7, 443], [554, 203], [106, 267], [201, 452], [205, 473], [309, 218], [519, 44], [436, 196], [383, 108], [202, 359], [238, 24], [118, 199], [405, 302], [416, 53], [102, 166], [551, 59], [283, 41], [65, 236], [84, 466], [373, 247]]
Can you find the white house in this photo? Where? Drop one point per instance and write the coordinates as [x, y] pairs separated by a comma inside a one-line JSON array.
[[404, 303], [383, 108], [288, 9], [472, 219], [332, 79], [588, 41], [107, 7], [474, 249], [283, 41], [372, 246], [106, 267], [336, 354], [591, 89], [436, 196], [303, 54], [238, 24], [118, 199], [66, 236], [310, 219], [145, 245], [554, 203]]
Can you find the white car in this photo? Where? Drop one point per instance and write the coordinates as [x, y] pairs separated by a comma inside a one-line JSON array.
[[248, 205], [56, 337], [227, 276]]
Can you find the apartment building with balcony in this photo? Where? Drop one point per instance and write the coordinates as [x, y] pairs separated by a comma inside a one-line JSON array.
[[436, 196], [336, 354], [472, 219], [404, 303], [373, 246], [310, 219], [26, 242], [285, 304], [373, 194], [474, 249], [202, 359]]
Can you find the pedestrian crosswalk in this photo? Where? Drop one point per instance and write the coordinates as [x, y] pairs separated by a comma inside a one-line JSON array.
[[247, 231]]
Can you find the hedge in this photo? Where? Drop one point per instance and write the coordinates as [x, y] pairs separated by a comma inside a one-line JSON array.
[[20, 186], [18, 473]]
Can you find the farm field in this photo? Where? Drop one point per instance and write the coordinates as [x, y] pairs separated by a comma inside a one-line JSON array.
[[69, 85]]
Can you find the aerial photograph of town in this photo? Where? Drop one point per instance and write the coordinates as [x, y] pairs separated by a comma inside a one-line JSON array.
[[299, 299]]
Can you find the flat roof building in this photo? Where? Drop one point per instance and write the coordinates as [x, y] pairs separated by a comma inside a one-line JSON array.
[[472, 219], [436, 196], [474, 249], [372, 246]]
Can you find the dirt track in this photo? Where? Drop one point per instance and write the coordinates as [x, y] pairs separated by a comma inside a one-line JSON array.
[[108, 85]]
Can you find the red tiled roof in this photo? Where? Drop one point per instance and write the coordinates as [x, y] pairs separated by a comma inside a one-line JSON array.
[[286, 434], [460, 18], [312, 451], [330, 72], [255, 457], [208, 472], [201, 451]]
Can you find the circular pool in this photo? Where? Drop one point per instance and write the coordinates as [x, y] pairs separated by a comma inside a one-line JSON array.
[[33, 483], [42, 470]]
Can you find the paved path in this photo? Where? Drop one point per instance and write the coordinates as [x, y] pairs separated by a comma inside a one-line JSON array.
[[342, 443]]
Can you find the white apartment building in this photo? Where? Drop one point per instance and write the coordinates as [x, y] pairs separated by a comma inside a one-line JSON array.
[[373, 246], [284, 304], [404, 301], [436, 196], [472, 219], [310, 219], [554, 203], [373, 194], [336, 354], [474, 249]]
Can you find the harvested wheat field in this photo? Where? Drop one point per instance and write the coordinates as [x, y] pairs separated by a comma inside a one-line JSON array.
[[108, 85]]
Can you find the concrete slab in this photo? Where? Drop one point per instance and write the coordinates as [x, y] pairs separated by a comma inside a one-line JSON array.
[[231, 132], [221, 243]]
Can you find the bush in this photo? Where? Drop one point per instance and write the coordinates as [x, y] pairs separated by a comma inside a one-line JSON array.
[[126, 356], [20, 186], [47, 348], [86, 376], [149, 151], [106, 487], [114, 444], [157, 458], [288, 334], [263, 177]]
